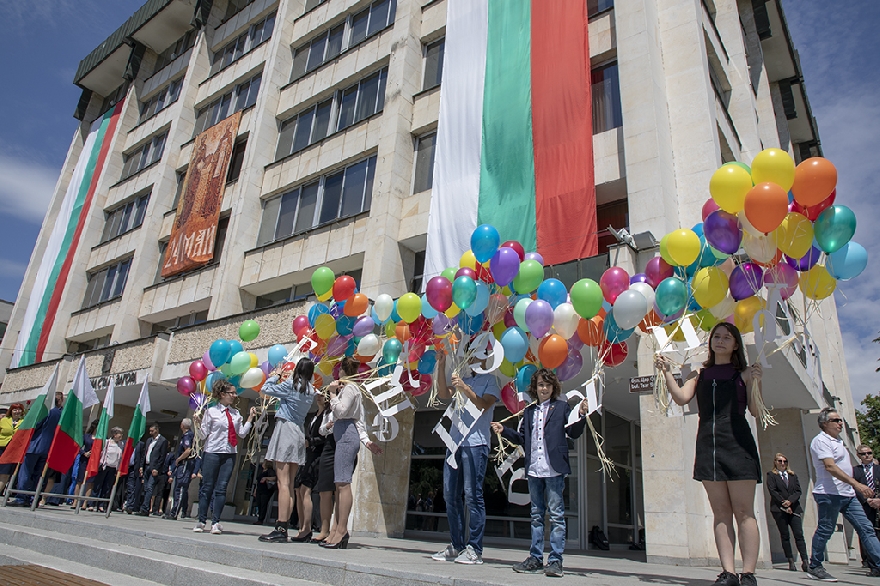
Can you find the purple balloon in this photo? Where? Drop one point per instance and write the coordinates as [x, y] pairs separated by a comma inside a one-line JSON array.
[[266, 368], [206, 360], [534, 256], [575, 343], [539, 317], [572, 365], [336, 310], [504, 266], [638, 278], [722, 231], [746, 280], [441, 324], [363, 326], [665, 319], [806, 262], [337, 345]]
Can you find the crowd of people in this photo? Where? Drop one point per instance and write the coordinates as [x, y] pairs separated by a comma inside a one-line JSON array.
[[317, 454]]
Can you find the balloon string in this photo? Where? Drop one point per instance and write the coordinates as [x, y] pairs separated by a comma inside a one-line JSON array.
[[764, 415]]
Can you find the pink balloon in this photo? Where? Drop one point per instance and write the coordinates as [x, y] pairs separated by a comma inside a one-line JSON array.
[[511, 399], [439, 293], [466, 272], [186, 385], [656, 270], [782, 274], [301, 325], [614, 281], [572, 365], [198, 371], [206, 360], [709, 207]]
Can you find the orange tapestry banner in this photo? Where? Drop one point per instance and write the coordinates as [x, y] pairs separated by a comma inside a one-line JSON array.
[[198, 211]]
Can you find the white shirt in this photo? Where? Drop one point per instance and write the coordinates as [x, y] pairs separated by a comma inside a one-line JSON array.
[[112, 454], [215, 429], [152, 443], [824, 446], [358, 424], [539, 465]]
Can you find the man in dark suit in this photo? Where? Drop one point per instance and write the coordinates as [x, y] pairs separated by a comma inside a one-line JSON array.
[[785, 506], [154, 469], [135, 484], [867, 473]]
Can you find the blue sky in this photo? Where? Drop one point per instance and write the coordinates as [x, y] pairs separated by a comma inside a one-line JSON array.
[[42, 41]]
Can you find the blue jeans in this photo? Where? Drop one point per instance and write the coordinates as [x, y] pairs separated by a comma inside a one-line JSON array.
[[468, 478], [150, 484], [216, 472], [546, 493], [830, 505], [181, 497]]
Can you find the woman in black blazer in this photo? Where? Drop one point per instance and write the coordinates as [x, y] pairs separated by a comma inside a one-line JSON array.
[[785, 505]]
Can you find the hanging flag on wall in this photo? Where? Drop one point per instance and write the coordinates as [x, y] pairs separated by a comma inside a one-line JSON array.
[[515, 135], [198, 211]]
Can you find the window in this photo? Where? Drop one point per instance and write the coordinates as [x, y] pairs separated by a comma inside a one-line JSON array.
[[433, 64], [242, 96], [312, 4], [234, 7], [345, 193], [144, 156], [243, 44], [348, 106], [162, 247], [296, 293], [125, 218], [181, 177], [329, 44], [236, 160], [175, 323], [106, 284], [614, 214], [424, 174], [166, 96], [113, 99], [595, 7], [181, 46], [606, 98], [418, 272], [93, 344]]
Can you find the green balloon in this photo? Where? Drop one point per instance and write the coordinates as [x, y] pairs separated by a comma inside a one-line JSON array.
[[519, 313], [834, 228], [531, 274], [226, 369], [449, 273], [322, 280], [248, 330], [586, 297], [240, 363], [664, 252], [740, 165]]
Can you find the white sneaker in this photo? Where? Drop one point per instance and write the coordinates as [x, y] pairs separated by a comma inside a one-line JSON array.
[[469, 556], [199, 528], [446, 555], [216, 529]]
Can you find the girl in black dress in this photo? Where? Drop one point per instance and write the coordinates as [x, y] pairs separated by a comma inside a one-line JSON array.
[[726, 454]]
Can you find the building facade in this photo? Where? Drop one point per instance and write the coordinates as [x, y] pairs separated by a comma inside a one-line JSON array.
[[332, 165]]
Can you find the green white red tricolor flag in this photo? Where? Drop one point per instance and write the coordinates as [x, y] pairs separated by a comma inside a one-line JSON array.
[[515, 134], [137, 428], [101, 432], [69, 433], [18, 445]]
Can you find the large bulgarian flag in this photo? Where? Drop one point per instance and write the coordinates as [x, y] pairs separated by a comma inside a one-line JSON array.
[[515, 139], [63, 242], [69, 434], [137, 428], [101, 432], [18, 445]]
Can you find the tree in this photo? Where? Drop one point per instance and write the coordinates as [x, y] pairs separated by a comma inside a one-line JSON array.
[[869, 421]]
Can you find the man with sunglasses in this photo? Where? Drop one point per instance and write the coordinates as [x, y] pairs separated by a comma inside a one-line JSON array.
[[835, 492], [868, 473]]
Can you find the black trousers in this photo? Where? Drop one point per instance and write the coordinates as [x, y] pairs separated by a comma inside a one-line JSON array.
[[263, 505], [871, 513], [784, 522]]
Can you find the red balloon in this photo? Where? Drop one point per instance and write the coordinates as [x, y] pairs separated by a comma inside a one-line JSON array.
[[422, 382], [613, 354], [656, 270], [289, 366], [439, 293], [198, 371], [483, 274], [517, 247], [709, 207], [510, 398], [812, 212], [301, 326], [343, 288], [466, 272]]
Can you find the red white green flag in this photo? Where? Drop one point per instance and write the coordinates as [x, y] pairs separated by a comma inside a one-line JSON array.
[[69, 433], [138, 426], [101, 432], [18, 445]]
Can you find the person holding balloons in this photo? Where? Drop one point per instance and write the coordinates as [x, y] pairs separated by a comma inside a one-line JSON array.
[[287, 448], [472, 457], [726, 454]]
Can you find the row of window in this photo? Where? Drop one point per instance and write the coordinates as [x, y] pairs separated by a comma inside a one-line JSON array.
[[247, 41], [164, 98], [327, 46], [125, 218], [180, 46], [190, 319], [242, 96], [106, 284], [347, 106], [144, 156]]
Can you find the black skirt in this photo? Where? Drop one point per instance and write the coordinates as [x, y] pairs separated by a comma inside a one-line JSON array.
[[325, 480]]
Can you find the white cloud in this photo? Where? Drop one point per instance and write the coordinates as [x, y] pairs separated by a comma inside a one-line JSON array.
[[26, 188], [861, 362]]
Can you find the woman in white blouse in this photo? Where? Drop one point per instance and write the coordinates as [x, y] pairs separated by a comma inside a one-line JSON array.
[[220, 429], [111, 455]]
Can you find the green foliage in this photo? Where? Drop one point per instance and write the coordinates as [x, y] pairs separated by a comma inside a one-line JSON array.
[[868, 418]]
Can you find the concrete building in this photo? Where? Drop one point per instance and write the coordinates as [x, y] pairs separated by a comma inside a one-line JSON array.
[[679, 87]]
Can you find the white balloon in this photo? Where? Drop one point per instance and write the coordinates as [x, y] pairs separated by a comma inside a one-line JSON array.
[[746, 225], [629, 309], [723, 309], [534, 344], [383, 305], [760, 248], [251, 378], [646, 290], [369, 345], [565, 320]]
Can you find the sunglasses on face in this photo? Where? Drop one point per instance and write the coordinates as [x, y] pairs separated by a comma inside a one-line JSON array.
[[866, 453], [835, 420], [783, 461]]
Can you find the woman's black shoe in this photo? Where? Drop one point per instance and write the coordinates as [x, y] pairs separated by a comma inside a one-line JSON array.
[[304, 539], [318, 541], [276, 536], [727, 579], [341, 545]]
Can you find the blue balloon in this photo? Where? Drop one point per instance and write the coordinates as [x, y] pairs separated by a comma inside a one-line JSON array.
[[234, 348], [427, 362], [848, 262], [524, 377], [235, 380], [470, 324], [276, 354], [698, 229], [376, 319], [316, 310], [395, 317], [553, 291], [481, 302], [352, 347], [670, 296], [384, 368], [212, 378], [220, 352], [515, 343], [427, 311], [613, 332], [485, 242], [344, 325]]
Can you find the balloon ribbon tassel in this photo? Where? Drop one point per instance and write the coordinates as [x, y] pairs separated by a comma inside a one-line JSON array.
[[764, 415], [661, 392], [607, 465]]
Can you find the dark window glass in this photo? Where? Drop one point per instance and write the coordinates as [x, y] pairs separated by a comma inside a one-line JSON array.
[[378, 16], [253, 91], [359, 27], [181, 178], [300, 60], [303, 130], [434, 64], [594, 7], [614, 214], [287, 214], [162, 247], [125, 224], [121, 278], [322, 120], [332, 195], [275, 298], [241, 96], [346, 107], [380, 103], [424, 175], [316, 52], [353, 192], [108, 283], [310, 4], [220, 241], [606, 99], [334, 42], [285, 138], [236, 160], [269, 222], [141, 211], [368, 190], [367, 97], [418, 271], [305, 219]]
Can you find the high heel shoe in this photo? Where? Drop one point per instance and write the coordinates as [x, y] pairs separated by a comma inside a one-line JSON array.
[[341, 545], [318, 541], [304, 539]]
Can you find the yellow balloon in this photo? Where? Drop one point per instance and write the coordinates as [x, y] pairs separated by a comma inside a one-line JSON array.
[[745, 312], [391, 329], [254, 362], [729, 186], [507, 368], [499, 329], [705, 320], [452, 311], [817, 283], [506, 291], [683, 246], [710, 286], [325, 326], [775, 166], [326, 366], [409, 307], [468, 260], [326, 295], [795, 235]]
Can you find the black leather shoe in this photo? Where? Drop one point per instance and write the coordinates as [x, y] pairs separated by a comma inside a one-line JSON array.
[[304, 539], [341, 545], [143, 514], [276, 536]]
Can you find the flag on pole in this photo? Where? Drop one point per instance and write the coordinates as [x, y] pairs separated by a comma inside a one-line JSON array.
[[18, 445], [69, 433], [101, 432], [137, 428]]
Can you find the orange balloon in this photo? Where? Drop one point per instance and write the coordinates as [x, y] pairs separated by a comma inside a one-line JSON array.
[[401, 332], [814, 180], [651, 320], [553, 351], [772, 262], [356, 305], [766, 206], [591, 331], [317, 380]]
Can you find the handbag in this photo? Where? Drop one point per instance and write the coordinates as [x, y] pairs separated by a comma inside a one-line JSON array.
[[598, 538]]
